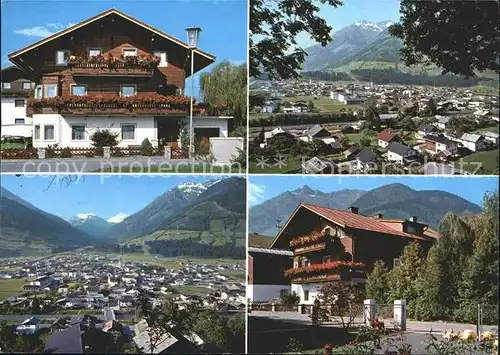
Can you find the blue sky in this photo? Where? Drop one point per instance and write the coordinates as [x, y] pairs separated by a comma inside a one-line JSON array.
[[262, 188], [223, 22], [104, 195], [353, 11]]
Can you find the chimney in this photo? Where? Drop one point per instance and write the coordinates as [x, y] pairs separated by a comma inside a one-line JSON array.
[[413, 219], [353, 209], [378, 216]]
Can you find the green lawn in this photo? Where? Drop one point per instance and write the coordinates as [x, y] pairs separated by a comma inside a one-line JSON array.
[[239, 275], [288, 166], [191, 289], [323, 104], [11, 145], [174, 263], [493, 129], [487, 158], [181, 168], [10, 287]]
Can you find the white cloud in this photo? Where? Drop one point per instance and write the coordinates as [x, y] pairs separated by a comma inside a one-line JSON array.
[[256, 194], [42, 31]]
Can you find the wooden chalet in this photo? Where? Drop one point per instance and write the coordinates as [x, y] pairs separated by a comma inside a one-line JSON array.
[[114, 72], [329, 244]]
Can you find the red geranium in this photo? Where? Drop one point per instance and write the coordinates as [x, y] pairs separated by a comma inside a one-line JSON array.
[[330, 267]]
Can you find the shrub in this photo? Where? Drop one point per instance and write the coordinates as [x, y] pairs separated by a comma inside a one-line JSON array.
[[202, 146], [103, 138], [365, 141], [66, 153], [290, 299], [146, 147]]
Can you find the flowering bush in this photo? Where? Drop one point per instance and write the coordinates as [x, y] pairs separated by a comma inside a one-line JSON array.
[[376, 324], [328, 349], [315, 269], [306, 239], [466, 342]]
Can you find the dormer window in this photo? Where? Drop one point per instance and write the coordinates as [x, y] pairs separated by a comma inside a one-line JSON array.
[[62, 57], [130, 52], [163, 58]]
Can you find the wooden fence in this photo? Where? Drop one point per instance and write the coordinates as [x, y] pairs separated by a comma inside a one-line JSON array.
[[57, 152]]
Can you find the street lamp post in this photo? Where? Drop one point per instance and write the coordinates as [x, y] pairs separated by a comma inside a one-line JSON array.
[[193, 35]]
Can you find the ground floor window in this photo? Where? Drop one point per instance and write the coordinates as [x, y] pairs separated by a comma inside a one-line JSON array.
[[19, 121], [37, 132], [78, 132], [128, 131], [306, 295], [48, 132]]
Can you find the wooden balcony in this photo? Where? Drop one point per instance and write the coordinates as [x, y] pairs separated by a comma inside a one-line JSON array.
[[333, 271], [106, 69], [304, 249], [155, 105]]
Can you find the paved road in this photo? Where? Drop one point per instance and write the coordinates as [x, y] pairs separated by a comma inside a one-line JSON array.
[[20, 318], [411, 326], [80, 165]]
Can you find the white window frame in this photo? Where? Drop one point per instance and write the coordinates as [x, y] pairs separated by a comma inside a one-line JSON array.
[[34, 132], [129, 49], [63, 51], [84, 132], [71, 89], [39, 87], [94, 49], [122, 85], [54, 130], [6, 85], [16, 100], [135, 129], [46, 87], [15, 119], [159, 54], [29, 85], [396, 262]]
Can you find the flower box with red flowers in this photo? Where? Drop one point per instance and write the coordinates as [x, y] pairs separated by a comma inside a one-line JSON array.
[[113, 103], [334, 267]]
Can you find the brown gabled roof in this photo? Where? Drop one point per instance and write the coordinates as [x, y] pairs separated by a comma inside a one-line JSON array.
[[386, 135], [100, 16], [346, 219]]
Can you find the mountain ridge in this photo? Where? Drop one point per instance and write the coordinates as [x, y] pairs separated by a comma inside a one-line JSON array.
[[393, 201]]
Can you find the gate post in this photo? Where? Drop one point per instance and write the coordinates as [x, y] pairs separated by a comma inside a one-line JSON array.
[[400, 314], [106, 152], [369, 309], [41, 153], [167, 152], [479, 321]]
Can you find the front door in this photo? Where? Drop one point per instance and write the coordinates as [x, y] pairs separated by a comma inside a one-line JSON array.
[[168, 130]]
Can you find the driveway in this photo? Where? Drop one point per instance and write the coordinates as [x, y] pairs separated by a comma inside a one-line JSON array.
[[80, 165]]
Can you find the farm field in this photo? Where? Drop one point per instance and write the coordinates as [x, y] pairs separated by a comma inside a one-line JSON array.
[[488, 160], [10, 287], [324, 104]]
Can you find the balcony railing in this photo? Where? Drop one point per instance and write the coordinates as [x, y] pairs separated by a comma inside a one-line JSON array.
[[105, 69], [336, 270], [153, 104], [112, 66]]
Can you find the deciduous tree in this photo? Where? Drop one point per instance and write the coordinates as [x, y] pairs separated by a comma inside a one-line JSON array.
[[459, 36]]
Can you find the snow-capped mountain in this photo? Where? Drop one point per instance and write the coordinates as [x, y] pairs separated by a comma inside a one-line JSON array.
[[118, 218], [90, 223], [193, 189], [346, 43], [379, 26]]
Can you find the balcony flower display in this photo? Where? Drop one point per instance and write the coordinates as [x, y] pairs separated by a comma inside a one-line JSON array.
[[115, 101], [111, 62], [317, 269], [306, 239]]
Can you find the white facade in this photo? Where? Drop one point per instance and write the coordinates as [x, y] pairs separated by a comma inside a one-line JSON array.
[[266, 293], [224, 150], [65, 128], [392, 156], [210, 122], [14, 120], [382, 143], [306, 292]]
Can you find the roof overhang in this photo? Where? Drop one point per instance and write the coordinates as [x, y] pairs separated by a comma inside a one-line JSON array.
[[15, 57]]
